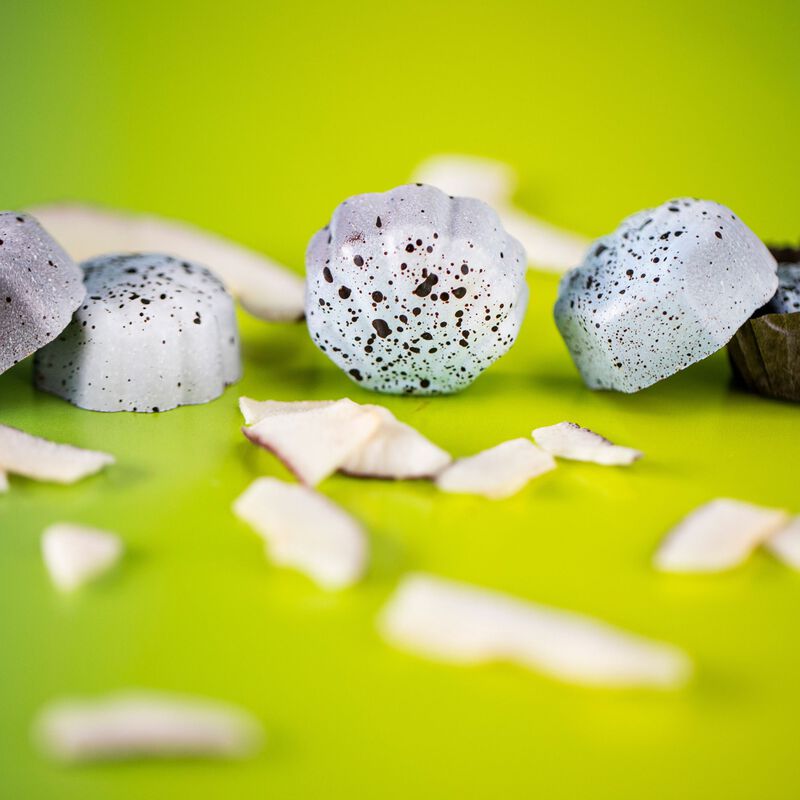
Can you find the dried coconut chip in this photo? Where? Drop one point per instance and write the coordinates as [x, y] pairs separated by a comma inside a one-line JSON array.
[[571, 441], [498, 472], [264, 288], [75, 554], [462, 624], [395, 451], [43, 460], [717, 536], [143, 724], [785, 544], [306, 531], [315, 443]]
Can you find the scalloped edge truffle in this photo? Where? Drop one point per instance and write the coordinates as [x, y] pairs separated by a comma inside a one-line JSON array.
[[154, 333], [40, 288], [411, 291]]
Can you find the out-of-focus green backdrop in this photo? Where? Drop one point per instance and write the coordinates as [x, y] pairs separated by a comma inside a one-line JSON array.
[[255, 119]]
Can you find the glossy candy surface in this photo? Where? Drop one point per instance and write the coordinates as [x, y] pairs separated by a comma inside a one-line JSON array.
[[413, 291]]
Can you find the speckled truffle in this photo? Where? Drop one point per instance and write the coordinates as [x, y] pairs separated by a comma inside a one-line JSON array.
[[40, 287], [412, 291], [668, 288], [787, 299], [154, 332]]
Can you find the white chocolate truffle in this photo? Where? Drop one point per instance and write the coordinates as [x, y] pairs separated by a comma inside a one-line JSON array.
[[669, 287], [412, 291], [787, 299], [155, 332], [40, 287]]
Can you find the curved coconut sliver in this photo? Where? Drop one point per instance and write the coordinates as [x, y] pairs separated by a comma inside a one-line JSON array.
[[314, 443], [498, 472], [75, 554], [394, 451], [548, 247], [571, 441], [264, 288], [138, 724], [785, 544], [43, 460], [462, 624], [717, 536], [306, 531]]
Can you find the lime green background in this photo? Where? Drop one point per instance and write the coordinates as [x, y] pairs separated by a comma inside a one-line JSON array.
[[255, 120]]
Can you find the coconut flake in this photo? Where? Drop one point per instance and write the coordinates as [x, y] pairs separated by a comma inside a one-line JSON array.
[[43, 460], [785, 544], [315, 443], [306, 531], [548, 247], [717, 536], [395, 451], [571, 441], [173, 314], [264, 288], [75, 554], [3, 482], [145, 725], [462, 624], [254, 411], [498, 472]]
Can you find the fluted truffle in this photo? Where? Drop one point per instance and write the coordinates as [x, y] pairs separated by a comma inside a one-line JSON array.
[[413, 291], [668, 288], [155, 332], [40, 287]]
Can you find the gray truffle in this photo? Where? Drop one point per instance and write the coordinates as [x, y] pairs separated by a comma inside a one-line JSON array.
[[412, 291], [40, 287], [787, 299], [669, 287], [155, 332]]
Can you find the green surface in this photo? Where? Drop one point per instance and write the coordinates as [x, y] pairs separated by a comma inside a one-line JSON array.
[[255, 120]]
